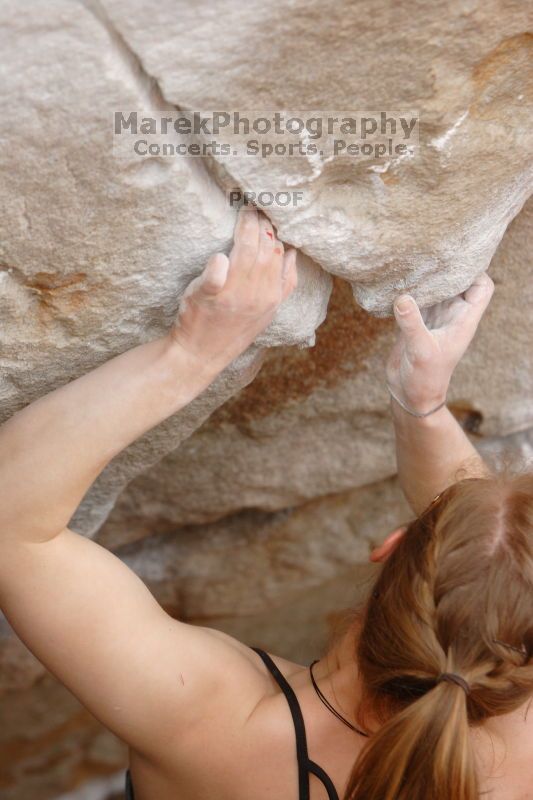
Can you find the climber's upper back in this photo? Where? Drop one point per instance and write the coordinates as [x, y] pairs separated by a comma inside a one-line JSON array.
[[291, 747]]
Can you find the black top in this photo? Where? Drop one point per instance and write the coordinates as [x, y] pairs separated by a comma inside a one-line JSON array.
[[305, 765], [129, 787]]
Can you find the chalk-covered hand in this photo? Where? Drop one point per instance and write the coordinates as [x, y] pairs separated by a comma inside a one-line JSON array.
[[431, 343], [235, 298]]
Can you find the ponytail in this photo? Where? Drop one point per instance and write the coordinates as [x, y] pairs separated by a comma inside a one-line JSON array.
[[454, 599], [423, 752]]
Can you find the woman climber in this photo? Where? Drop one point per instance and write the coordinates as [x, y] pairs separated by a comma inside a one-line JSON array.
[[424, 697]]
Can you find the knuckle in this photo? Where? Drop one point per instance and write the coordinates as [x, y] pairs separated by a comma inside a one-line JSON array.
[[248, 243], [259, 303], [209, 287], [248, 303], [225, 301], [247, 250], [264, 258], [420, 354]]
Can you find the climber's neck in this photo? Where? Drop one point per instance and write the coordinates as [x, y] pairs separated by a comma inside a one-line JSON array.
[[339, 670]]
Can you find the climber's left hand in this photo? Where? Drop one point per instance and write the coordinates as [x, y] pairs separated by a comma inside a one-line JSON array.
[[235, 298], [431, 343]]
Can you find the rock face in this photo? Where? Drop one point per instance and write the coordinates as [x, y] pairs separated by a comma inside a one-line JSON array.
[[465, 68], [96, 253], [254, 509]]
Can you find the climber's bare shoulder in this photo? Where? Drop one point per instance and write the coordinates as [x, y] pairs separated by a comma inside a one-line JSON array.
[[152, 680], [229, 753]]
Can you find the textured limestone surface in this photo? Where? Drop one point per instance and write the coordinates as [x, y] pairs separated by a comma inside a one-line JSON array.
[[254, 509], [49, 744], [95, 250], [430, 222]]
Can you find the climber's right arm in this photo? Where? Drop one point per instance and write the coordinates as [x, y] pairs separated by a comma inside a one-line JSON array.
[[53, 450], [433, 452], [160, 684]]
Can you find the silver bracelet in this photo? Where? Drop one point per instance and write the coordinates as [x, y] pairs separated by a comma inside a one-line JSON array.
[[411, 411]]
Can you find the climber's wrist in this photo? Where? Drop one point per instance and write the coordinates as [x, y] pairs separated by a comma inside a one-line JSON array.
[[418, 403], [203, 367]]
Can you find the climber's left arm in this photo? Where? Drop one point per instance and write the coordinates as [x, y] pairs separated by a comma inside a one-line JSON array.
[[83, 613], [433, 452]]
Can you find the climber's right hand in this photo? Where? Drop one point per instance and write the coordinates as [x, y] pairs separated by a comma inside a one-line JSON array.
[[431, 343], [235, 299]]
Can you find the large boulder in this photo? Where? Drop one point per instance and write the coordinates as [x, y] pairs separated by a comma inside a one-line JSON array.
[[427, 222], [96, 247]]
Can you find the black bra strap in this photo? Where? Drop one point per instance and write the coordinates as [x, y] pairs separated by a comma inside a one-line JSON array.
[[305, 765], [326, 780], [129, 787], [301, 739]]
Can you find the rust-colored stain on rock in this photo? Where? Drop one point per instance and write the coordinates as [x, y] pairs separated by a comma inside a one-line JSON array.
[[503, 77], [54, 292], [509, 52], [289, 375], [16, 751], [52, 289]]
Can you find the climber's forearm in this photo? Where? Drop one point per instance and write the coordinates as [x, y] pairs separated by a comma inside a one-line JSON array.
[[432, 453], [51, 451]]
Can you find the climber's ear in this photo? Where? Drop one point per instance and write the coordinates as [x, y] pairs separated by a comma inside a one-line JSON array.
[[382, 553]]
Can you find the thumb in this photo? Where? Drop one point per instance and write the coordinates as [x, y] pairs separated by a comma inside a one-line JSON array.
[[408, 316], [214, 275]]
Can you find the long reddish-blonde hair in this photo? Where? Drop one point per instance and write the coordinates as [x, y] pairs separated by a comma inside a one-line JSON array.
[[456, 596]]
